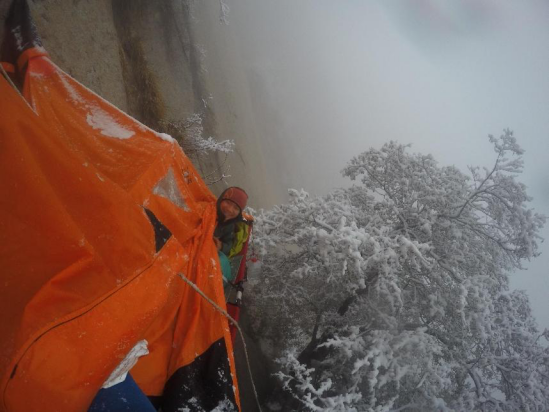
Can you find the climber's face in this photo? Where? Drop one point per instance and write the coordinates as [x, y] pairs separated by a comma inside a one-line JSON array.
[[229, 209]]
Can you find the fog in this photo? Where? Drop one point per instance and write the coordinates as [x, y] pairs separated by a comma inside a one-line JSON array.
[[326, 80]]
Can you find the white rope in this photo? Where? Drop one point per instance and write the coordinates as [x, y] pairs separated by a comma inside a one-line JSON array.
[[234, 322], [8, 78]]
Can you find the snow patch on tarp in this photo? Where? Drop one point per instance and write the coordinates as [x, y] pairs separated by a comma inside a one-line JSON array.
[[168, 188], [122, 133], [101, 120], [75, 96], [37, 75], [166, 137], [97, 118]]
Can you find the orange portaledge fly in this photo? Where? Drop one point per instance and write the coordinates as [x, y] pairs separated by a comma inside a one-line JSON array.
[[99, 216]]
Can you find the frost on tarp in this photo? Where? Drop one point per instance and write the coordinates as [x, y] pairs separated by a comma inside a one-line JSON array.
[[65, 80], [99, 119], [167, 187], [166, 137], [96, 117]]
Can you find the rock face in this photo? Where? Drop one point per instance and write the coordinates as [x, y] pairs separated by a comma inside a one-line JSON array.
[[134, 53], [4, 7], [144, 57], [82, 40], [137, 54], [163, 62]]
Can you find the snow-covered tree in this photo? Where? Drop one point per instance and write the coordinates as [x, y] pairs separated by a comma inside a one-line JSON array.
[[189, 134], [393, 295]]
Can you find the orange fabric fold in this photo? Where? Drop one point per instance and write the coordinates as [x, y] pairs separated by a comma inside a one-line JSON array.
[[81, 275]]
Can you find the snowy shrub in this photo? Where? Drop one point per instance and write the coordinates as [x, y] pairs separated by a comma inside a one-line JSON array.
[[189, 134], [393, 295]]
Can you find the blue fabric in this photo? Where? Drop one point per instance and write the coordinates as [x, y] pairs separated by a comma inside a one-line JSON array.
[[124, 396], [226, 267]]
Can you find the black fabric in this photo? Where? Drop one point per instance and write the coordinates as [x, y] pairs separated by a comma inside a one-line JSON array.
[[203, 385], [225, 232], [20, 32], [156, 401], [162, 234]]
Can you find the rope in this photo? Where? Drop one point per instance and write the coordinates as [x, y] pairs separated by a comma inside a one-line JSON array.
[[234, 322], [12, 84]]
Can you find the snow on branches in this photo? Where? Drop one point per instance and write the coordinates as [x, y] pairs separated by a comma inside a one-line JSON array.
[[393, 294], [189, 134]]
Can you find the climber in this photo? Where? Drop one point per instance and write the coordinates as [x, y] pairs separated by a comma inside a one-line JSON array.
[[230, 234]]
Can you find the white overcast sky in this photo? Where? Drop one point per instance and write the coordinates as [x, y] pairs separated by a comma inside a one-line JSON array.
[[343, 76]]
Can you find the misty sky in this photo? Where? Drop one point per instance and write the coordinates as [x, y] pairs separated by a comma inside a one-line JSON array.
[[342, 76]]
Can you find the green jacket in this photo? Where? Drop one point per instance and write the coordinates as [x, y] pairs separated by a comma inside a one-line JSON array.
[[233, 236]]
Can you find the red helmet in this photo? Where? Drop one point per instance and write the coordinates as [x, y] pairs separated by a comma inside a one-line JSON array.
[[236, 195]]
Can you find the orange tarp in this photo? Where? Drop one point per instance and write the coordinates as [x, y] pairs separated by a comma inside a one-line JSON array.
[[82, 275]]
